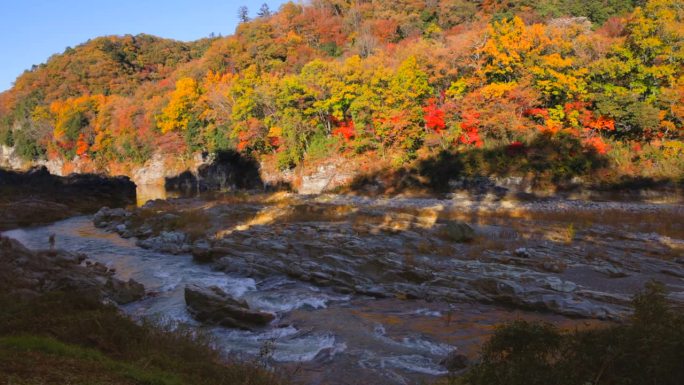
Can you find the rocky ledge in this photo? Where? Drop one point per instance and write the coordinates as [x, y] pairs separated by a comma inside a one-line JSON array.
[[37, 197], [26, 274], [575, 259]]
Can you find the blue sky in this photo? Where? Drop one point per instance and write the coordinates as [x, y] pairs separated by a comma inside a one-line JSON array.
[[33, 30]]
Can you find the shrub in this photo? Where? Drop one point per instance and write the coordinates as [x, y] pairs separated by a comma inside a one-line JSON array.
[[646, 350]]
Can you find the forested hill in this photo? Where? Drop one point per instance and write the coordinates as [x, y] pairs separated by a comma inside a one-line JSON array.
[[396, 81]]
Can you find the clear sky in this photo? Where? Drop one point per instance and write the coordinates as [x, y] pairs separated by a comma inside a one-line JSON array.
[[33, 30]]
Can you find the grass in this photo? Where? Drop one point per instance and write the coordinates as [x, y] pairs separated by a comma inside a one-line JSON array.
[[21, 353], [75, 336]]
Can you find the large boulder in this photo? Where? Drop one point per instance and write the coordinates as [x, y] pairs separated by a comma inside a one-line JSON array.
[[124, 292], [456, 231], [213, 306]]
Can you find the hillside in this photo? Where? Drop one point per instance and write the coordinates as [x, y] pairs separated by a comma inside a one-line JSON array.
[[566, 88]]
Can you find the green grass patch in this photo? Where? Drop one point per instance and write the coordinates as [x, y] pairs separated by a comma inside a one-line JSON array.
[[50, 346]]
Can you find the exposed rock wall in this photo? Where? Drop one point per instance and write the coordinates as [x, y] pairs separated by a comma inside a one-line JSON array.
[[37, 197]]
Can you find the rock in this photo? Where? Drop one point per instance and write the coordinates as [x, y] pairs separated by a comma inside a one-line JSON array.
[[214, 307], [24, 271], [553, 266], [576, 307], [455, 361], [611, 271], [673, 272], [522, 253], [124, 292], [106, 216], [508, 291], [456, 231], [557, 284], [172, 242]]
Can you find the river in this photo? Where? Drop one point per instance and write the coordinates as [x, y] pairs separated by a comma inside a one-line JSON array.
[[322, 336]]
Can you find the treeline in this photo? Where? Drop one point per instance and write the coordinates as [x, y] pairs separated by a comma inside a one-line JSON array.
[[391, 80]]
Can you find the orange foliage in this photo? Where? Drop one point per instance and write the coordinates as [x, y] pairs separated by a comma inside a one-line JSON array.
[[82, 146], [597, 144]]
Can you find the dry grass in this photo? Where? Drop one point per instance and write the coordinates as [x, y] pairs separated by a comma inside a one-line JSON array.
[[75, 336]]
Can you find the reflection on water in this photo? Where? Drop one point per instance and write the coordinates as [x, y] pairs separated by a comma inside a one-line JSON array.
[[150, 192]]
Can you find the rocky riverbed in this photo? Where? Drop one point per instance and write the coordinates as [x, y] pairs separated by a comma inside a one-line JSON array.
[[578, 259], [395, 291]]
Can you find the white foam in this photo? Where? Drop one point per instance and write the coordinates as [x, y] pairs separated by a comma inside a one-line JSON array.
[[236, 287], [428, 313], [414, 363], [285, 344], [425, 345]]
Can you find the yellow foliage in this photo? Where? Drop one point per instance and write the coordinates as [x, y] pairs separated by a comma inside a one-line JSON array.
[[176, 115], [497, 90], [275, 132]]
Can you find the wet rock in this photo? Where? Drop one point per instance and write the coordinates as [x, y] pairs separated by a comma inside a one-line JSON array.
[[214, 307], [557, 284], [24, 271], [173, 242], [124, 292], [381, 252], [455, 231], [611, 271], [106, 216], [455, 361], [522, 253], [576, 307], [372, 291]]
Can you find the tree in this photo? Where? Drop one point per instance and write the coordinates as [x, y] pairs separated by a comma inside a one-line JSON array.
[[243, 14], [264, 11], [180, 112]]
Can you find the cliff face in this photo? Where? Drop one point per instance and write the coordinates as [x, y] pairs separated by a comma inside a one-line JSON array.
[[223, 171], [38, 197]]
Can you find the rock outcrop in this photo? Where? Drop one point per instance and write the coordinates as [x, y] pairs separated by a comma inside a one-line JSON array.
[[28, 273], [38, 197], [224, 171], [410, 253], [214, 307]]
